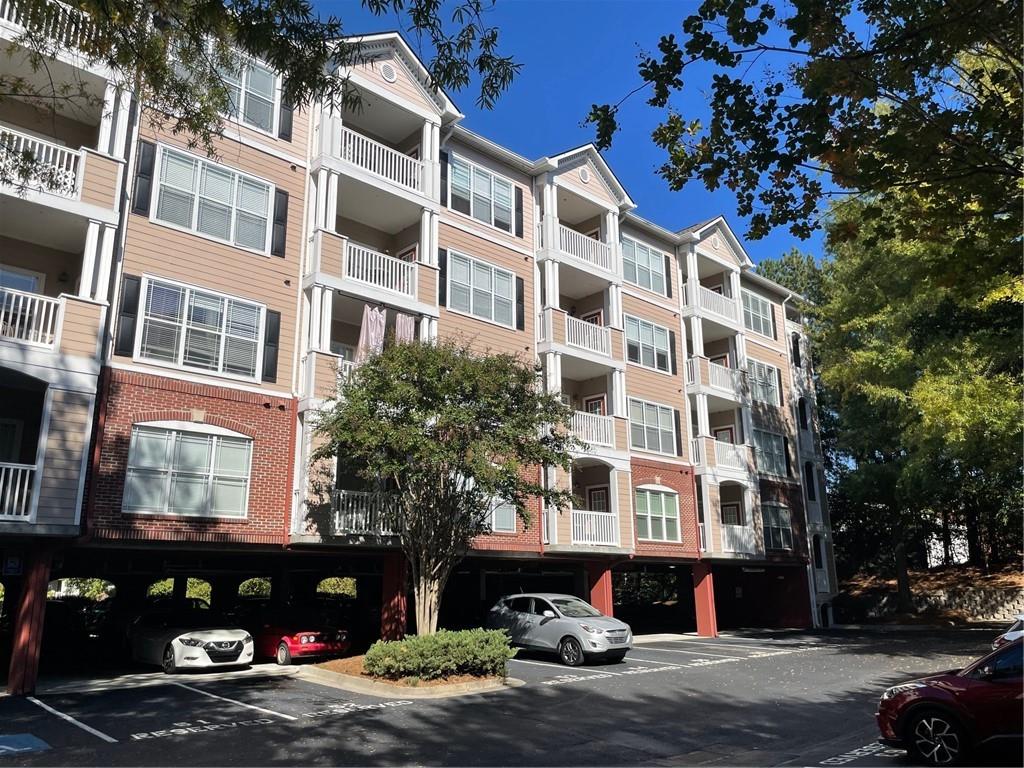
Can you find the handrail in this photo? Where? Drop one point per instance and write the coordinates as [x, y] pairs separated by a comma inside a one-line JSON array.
[[29, 318], [369, 266], [53, 20], [580, 333], [53, 168], [381, 160], [593, 429], [16, 481], [361, 512], [592, 527], [585, 248]]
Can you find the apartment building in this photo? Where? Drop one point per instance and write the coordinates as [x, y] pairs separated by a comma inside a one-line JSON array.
[[195, 313]]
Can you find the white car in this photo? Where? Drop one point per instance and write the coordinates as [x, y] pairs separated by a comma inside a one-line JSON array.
[[189, 639], [1016, 630]]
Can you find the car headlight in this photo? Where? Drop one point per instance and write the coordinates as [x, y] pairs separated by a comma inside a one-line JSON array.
[[896, 690], [591, 630], [191, 642], [247, 639], [304, 639]]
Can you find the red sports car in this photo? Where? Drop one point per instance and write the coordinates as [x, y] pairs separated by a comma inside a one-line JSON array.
[[940, 719], [296, 635]]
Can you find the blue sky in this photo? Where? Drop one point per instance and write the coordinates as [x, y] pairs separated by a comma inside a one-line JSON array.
[[576, 53]]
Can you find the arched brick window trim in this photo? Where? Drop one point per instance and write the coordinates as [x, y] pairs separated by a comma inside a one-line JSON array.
[[186, 416]]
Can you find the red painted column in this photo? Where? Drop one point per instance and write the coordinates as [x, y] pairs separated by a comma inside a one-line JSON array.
[[599, 580], [393, 604], [704, 598], [28, 623]]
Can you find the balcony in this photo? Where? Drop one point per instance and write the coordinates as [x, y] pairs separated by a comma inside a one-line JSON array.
[[715, 304], [707, 452], [16, 483], [380, 270], [361, 513], [586, 249], [382, 161], [559, 328], [593, 429], [738, 538], [29, 318], [68, 26], [730, 382], [595, 528]]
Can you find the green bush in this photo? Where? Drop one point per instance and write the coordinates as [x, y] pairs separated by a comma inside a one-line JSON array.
[[477, 652]]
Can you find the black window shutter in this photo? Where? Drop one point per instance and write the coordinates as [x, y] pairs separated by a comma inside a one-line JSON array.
[[271, 341], [284, 121], [789, 464], [679, 432], [519, 211], [520, 304], [144, 178], [442, 277], [668, 277], [280, 231], [127, 313], [444, 179], [672, 351], [778, 375]]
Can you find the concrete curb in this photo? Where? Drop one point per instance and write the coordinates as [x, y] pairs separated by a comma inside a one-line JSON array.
[[387, 691], [896, 627]]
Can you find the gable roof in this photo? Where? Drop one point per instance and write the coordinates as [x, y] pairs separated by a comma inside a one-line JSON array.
[[589, 151], [699, 229]]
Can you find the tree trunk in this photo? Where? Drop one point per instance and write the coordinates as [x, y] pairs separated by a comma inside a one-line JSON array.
[[428, 601], [947, 539], [904, 598], [975, 551]]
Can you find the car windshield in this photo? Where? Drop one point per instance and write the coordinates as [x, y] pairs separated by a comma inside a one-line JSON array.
[[573, 608], [1016, 626]]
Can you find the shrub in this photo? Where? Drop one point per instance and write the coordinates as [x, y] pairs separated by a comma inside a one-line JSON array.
[[477, 652]]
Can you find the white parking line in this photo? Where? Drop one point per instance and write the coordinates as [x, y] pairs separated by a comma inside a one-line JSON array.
[[648, 649], [70, 719], [235, 701], [655, 663], [713, 644], [567, 670]]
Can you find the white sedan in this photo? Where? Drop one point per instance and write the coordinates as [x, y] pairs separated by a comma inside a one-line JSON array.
[[189, 639]]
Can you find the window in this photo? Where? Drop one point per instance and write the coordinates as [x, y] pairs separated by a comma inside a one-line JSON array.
[[651, 427], [179, 472], [647, 344], [1008, 664], [801, 407], [771, 452], [211, 200], [812, 493], [480, 194], [657, 515], [503, 517], [252, 94], [478, 289], [731, 514], [197, 329], [19, 279], [757, 315], [795, 338], [819, 557], [778, 529], [764, 382], [644, 266]]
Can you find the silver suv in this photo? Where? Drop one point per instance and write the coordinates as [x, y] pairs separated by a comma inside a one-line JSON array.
[[562, 624]]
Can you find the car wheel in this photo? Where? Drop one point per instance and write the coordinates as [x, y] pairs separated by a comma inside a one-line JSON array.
[[284, 656], [570, 652], [936, 738], [168, 663], [616, 657]]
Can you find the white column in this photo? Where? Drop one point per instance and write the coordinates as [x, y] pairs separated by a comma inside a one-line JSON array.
[[316, 302], [424, 249], [697, 337], [333, 203], [618, 399], [424, 329], [106, 258], [748, 425], [703, 425], [734, 284], [613, 503], [553, 384], [692, 280], [326, 310], [107, 118], [425, 158], [435, 159], [550, 215], [92, 234], [321, 198], [552, 290], [435, 237], [120, 137], [615, 305], [705, 513]]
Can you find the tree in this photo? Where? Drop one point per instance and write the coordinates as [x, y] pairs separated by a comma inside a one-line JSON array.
[[176, 56], [844, 96], [449, 433]]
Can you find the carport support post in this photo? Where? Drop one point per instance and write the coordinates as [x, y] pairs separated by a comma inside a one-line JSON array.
[[704, 599], [393, 599], [28, 623], [599, 582]]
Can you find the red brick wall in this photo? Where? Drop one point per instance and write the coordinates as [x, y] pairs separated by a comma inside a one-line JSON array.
[[130, 398], [525, 539], [790, 495], [680, 479]]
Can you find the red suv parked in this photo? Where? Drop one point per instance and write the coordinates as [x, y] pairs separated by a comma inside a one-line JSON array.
[[940, 719]]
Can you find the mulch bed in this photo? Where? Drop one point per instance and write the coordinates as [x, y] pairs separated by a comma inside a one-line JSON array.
[[353, 667]]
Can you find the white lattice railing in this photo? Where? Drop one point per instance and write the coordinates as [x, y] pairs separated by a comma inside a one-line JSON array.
[[593, 429], [381, 160], [584, 248], [730, 455], [359, 512], [727, 379], [28, 317], [16, 490], [379, 269], [595, 338], [55, 21], [738, 538], [52, 168], [717, 303], [590, 527]]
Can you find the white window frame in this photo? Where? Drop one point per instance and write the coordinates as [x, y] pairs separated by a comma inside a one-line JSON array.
[[651, 253], [246, 63], [665, 495], [640, 323], [764, 382], [176, 428], [783, 523], [644, 405], [163, 149], [39, 277], [473, 262], [492, 517], [761, 309], [761, 452], [474, 170], [180, 363]]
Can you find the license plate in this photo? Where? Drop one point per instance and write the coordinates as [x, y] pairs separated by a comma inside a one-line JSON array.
[[616, 640]]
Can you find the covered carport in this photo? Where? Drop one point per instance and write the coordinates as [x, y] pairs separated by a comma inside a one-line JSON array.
[[655, 597], [762, 595]]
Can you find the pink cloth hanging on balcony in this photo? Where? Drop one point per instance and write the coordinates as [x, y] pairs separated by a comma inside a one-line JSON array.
[[405, 328], [371, 333]]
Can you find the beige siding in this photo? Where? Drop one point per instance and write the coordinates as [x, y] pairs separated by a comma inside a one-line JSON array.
[[65, 443], [404, 86], [713, 518], [325, 380], [100, 180], [296, 147], [625, 495], [723, 251], [595, 188], [427, 288], [483, 335], [332, 254], [50, 262], [79, 333]]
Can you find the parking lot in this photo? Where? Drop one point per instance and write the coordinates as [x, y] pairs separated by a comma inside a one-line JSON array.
[[755, 698]]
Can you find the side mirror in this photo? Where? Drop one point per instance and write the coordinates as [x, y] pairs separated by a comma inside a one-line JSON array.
[[548, 614]]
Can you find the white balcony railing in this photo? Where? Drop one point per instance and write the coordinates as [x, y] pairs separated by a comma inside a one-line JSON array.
[[52, 168], [16, 490], [738, 538], [381, 160], [28, 318], [584, 248], [730, 455], [594, 338], [692, 369], [545, 325], [697, 451], [593, 429], [590, 527], [379, 269], [359, 512], [54, 21], [727, 379], [345, 369], [716, 303]]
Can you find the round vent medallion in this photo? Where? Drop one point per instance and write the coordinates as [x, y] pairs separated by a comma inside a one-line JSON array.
[[584, 174], [715, 242], [388, 72]]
